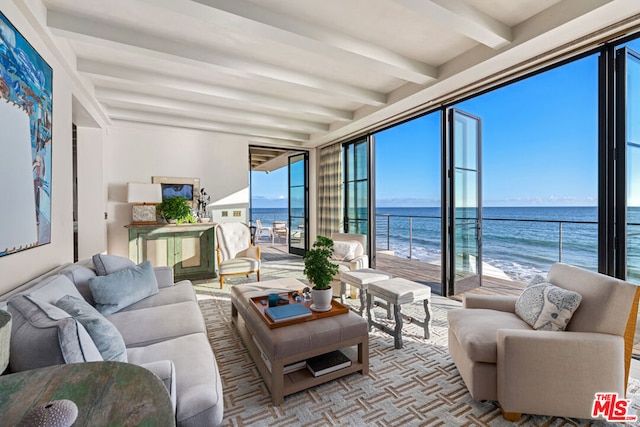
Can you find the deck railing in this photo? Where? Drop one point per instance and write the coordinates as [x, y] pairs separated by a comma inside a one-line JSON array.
[[383, 221]]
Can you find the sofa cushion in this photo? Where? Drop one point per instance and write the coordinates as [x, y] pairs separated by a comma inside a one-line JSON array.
[[344, 251], [79, 275], [150, 325], [53, 288], [476, 330], [198, 384], [547, 307], [166, 371], [108, 264], [180, 292], [44, 335], [104, 334], [123, 288]]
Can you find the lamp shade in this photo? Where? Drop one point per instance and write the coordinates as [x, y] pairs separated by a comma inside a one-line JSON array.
[[144, 193]]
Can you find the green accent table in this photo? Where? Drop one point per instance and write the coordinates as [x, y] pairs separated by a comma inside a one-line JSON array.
[[188, 248], [106, 394]]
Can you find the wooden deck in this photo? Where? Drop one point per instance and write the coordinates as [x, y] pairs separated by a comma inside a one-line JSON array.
[[493, 283]]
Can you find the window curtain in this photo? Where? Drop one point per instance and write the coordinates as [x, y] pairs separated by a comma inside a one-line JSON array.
[[330, 218]]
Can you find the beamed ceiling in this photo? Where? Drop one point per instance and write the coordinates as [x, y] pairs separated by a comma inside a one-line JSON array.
[[301, 73]]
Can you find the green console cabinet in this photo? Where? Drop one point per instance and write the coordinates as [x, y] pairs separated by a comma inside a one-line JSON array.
[[188, 248]]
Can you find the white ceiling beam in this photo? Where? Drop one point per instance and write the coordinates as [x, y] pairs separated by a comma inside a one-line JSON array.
[[153, 45], [464, 19], [147, 102], [266, 103], [263, 23], [186, 122]]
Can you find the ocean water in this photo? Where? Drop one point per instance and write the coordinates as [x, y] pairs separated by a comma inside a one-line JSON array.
[[521, 241]]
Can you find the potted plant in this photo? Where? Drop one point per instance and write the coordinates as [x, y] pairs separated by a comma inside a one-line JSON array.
[[176, 210], [320, 271]]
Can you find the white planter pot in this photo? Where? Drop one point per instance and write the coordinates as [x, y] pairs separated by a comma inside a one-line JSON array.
[[321, 299]]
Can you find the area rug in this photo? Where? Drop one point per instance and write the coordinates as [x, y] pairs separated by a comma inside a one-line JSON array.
[[417, 385]]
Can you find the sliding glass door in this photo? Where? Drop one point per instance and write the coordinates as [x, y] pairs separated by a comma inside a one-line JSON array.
[[358, 203], [298, 203], [463, 223]]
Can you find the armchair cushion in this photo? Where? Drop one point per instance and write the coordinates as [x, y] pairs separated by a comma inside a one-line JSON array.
[[547, 307], [344, 251], [239, 265], [479, 343]]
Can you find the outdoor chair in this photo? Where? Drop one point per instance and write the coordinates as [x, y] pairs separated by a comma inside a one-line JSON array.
[[280, 229], [541, 368], [236, 254], [260, 230]]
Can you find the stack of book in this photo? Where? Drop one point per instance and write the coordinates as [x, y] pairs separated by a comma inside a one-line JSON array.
[[326, 363]]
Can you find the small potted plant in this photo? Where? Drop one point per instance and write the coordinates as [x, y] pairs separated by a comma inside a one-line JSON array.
[[320, 271], [176, 210]]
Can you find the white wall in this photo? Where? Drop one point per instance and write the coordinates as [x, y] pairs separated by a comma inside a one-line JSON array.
[[18, 268], [136, 152], [92, 193]]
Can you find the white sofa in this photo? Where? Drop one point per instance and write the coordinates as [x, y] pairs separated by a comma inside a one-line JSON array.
[[164, 333]]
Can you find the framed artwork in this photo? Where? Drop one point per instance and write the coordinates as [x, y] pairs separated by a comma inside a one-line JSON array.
[[26, 102], [188, 188]]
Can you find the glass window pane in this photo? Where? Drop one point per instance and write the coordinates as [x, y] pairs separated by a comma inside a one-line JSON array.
[[296, 171], [466, 135]]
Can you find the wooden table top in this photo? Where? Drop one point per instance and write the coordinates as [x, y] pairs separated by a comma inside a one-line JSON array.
[[106, 393]]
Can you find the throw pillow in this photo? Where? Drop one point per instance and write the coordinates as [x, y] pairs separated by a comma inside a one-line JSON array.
[[344, 251], [104, 333], [118, 290], [53, 288], [107, 264], [44, 335], [547, 307], [80, 275]]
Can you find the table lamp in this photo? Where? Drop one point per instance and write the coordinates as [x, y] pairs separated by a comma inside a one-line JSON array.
[[145, 197]]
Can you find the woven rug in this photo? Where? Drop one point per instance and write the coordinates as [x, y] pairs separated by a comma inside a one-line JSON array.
[[417, 385]]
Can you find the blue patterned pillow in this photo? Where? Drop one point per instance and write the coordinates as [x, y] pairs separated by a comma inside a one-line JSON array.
[[116, 291], [547, 307], [104, 334]]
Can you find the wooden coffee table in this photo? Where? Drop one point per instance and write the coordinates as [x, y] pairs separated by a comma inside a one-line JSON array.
[[279, 347]]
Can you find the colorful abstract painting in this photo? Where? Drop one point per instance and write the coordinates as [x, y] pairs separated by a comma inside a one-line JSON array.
[[26, 82]]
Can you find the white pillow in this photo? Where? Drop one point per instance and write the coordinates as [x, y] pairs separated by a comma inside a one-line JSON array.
[[344, 251]]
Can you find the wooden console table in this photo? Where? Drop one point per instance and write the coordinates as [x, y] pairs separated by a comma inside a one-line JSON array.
[[188, 248], [106, 393]]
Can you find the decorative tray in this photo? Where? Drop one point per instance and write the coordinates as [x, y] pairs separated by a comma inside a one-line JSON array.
[[336, 308]]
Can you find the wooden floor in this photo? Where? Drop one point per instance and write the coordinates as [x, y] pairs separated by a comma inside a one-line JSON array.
[[429, 274]]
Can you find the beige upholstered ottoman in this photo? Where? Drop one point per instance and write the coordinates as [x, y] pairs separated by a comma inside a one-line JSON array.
[[273, 349], [360, 279], [396, 292]]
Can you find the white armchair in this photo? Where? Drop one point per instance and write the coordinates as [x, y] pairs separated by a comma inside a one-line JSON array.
[[349, 253], [236, 254]]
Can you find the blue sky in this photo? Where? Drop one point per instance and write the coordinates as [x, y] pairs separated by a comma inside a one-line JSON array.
[[539, 147]]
